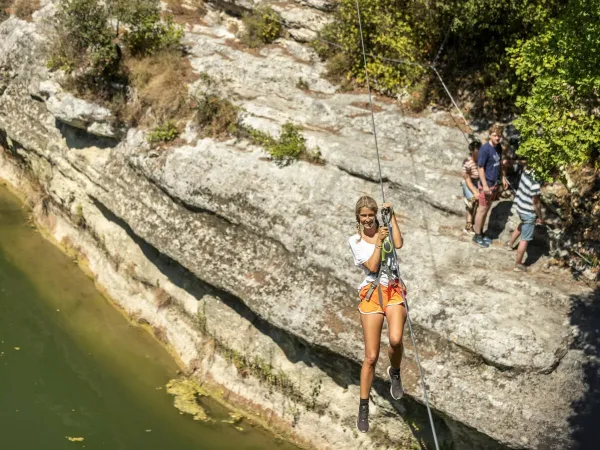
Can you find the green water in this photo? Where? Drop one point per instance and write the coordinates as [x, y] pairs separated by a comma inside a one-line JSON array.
[[72, 366]]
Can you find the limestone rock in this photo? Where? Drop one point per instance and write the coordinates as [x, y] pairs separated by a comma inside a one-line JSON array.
[[82, 114], [503, 353]]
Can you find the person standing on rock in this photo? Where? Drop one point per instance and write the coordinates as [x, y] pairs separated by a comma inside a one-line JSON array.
[[470, 174], [377, 304], [491, 172], [530, 213]]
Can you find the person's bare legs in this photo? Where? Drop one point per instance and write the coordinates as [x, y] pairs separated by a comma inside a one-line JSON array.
[[372, 325], [480, 218], [521, 249], [515, 235], [396, 317]]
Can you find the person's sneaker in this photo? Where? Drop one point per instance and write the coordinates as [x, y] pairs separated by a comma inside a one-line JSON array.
[[520, 268], [487, 239], [479, 241], [468, 229], [396, 383], [362, 423]]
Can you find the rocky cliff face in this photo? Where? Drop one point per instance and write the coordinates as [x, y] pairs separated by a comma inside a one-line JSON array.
[[254, 260]]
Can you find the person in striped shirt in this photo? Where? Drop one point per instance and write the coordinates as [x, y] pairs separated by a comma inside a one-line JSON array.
[[470, 174], [530, 212]]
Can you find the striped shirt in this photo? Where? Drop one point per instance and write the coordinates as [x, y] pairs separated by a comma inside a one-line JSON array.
[[528, 188], [470, 167]]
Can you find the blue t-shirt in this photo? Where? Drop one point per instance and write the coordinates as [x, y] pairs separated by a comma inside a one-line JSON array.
[[489, 159]]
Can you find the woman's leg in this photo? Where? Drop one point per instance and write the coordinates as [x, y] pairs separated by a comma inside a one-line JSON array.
[[372, 325], [396, 317]]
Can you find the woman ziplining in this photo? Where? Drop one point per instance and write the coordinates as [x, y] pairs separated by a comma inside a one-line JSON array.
[[382, 294]]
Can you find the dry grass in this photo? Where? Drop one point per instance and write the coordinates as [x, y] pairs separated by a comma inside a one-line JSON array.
[[159, 89], [191, 11], [23, 9]]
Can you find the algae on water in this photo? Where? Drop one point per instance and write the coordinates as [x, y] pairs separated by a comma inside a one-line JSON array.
[[186, 393]]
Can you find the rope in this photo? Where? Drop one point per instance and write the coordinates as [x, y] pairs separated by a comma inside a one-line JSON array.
[[412, 335], [362, 44]]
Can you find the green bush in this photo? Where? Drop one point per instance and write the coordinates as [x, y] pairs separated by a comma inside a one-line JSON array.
[[387, 33], [473, 33], [146, 32], [290, 146], [560, 120], [166, 132], [84, 38], [262, 26]]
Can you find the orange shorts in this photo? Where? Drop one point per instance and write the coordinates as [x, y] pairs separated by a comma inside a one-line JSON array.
[[393, 294]]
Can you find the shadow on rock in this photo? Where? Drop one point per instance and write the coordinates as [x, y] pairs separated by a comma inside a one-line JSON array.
[[498, 218], [585, 419]]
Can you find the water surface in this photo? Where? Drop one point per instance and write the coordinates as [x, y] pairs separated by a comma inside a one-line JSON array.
[[71, 366]]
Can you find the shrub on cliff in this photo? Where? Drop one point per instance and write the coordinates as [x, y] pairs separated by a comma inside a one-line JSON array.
[[165, 132], [84, 42], [146, 33], [262, 26], [560, 122], [289, 147]]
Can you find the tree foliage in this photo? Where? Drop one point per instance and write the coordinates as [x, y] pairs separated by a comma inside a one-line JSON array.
[[473, 35], [87, 40], [560, 119], [262, 26], [146, 33]]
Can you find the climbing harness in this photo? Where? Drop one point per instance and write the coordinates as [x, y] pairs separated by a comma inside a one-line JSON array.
[[390, 249], [388, 264]]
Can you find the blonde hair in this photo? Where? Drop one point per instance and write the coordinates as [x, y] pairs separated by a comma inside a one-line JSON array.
[[365, 202], [496, 129]]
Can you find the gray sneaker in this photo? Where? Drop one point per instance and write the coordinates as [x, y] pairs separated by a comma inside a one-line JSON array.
[[362, 423], [396, 383]]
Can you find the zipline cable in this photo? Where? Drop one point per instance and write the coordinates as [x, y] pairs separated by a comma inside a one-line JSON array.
[[431, 66], [412, 335], [362, 44]]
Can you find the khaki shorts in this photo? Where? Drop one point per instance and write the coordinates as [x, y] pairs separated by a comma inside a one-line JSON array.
[[393, 294]]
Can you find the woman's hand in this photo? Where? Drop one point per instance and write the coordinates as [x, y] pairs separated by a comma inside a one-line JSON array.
[[382, 233], [389, 206]]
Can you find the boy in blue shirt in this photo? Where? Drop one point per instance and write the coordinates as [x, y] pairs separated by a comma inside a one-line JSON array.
[[491, 172]]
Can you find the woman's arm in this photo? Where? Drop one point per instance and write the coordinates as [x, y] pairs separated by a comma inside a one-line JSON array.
[[372, 264]]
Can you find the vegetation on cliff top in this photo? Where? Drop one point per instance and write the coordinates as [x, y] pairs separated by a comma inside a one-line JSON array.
[[536, 58]]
